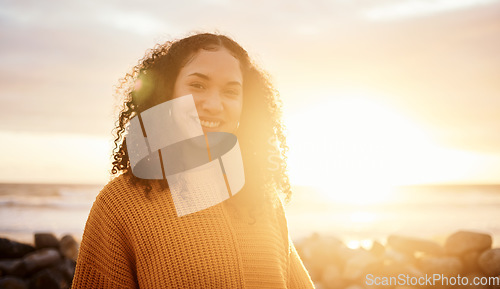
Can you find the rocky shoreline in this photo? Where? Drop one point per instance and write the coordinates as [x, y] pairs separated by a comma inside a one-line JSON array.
[[404, 262], [48, 263]]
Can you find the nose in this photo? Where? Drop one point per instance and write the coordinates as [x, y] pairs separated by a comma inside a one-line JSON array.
[[212, 103]]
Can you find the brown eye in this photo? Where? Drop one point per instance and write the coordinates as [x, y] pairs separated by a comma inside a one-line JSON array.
[[232, 92], [197, 85]]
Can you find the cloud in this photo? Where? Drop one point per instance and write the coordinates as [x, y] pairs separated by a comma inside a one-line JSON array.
[[139, 22], [415, 8]]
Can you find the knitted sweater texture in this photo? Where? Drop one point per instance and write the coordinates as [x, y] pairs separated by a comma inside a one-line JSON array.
[[131, 241]]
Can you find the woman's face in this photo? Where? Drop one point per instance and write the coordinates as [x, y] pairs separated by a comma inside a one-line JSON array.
[[215, 80]]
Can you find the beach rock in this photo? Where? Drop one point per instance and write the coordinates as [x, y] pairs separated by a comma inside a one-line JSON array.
[[391, 269], [320, 251], [319, 247], [331, 278], [449, 266], [67, 268], [412, 271], [46, 240], [41, 258], [462, 242], [12, 249], [377, 249], [49, 278], [470, 261], [356, 267], [355, 287], [399, 257], [345, 253], [68, 247], [489, 261], [412, 245], [10, 282], [15, 267]]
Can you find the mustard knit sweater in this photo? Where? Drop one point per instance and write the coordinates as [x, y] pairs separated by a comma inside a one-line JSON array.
[[131, 241]]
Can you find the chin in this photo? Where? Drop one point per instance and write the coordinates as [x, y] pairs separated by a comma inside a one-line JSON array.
[[216, 129]]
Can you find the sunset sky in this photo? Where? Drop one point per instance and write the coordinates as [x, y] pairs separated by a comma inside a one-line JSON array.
[[389, 91]]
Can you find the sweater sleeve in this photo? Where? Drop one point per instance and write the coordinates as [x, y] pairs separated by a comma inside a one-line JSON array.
[[105, 260], [298, 277]]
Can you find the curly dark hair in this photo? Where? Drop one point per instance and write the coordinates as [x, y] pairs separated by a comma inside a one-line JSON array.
[[260, 133]]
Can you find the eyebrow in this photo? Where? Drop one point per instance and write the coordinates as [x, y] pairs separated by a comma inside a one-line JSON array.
[[206, 77]]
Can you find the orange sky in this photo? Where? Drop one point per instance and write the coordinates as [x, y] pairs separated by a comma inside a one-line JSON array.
[[374, 80]]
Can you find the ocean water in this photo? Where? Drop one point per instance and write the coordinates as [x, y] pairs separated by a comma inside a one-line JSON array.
[[29, 208], [431, 212], [420, 211]]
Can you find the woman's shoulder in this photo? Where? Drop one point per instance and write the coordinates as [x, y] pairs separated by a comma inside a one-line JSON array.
[[124, 196], [119, 186], [119, 192], [120, 182]]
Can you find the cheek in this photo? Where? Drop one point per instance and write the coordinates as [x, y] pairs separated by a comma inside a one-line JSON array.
[[176, 93], [235, 110]]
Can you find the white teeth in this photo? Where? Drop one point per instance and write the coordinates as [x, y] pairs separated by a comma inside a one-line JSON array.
[[210, 124]]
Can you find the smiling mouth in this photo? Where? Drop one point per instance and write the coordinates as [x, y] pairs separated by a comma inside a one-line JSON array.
[[209, 124]]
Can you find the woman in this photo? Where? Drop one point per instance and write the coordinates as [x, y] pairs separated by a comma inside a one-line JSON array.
[[134, 236]]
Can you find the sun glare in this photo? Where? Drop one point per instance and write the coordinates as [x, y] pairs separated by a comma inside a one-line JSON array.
[[356, 244], [362, 217], [356, 150]]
